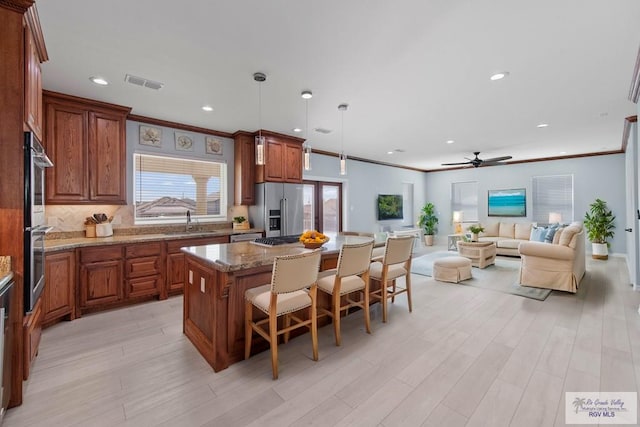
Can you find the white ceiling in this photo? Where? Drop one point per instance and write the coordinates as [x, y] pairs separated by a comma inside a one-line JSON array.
[[415, 73]]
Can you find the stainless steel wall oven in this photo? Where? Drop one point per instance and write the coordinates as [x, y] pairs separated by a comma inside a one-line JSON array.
[[35, 162]]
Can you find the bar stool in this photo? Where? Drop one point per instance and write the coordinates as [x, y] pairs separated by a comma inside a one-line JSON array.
[[286, 294], [350, 276], [395, 263]]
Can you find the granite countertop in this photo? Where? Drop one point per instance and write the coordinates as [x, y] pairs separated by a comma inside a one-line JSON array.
[[52, 245], [244, 255]]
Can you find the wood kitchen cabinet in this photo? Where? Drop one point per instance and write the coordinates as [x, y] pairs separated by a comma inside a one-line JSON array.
[[32, 327], [86, 142], [244, 168], [283, 159], [175, 260], [33, 56], [100, 276], [58, 296], [143, 270]]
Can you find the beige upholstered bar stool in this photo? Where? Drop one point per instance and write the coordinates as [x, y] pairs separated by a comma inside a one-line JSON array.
[[351, 276], [287, 294], [394, 264]]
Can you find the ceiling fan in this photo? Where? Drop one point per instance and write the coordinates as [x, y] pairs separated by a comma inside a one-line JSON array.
[[479, 162]]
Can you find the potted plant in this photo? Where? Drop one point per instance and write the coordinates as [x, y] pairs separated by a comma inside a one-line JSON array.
[[428, 221], [475, 230], [599, 224], [240, 223]]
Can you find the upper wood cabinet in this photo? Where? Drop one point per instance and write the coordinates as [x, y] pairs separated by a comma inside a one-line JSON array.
[[283, 159], [86, 142], [33, 85], [244, 168]]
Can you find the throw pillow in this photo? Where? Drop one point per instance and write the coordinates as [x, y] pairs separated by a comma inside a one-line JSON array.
[[551, 231], [538, 234]]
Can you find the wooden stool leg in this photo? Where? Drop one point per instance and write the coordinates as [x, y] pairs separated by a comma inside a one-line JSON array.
[[248, 330], [314, 322], [273, 342], [408, 283], [365, 297], [384, 298], [287, 323], [336, 317]]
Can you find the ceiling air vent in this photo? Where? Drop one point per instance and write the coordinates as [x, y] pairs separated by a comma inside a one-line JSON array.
[[322, 130], [141, 81]]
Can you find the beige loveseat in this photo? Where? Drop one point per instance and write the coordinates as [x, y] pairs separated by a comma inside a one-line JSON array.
[[559, 265], [506, 235]]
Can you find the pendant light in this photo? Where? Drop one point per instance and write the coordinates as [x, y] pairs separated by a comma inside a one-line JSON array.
[[306, 154], [342, 157], [259, 77]]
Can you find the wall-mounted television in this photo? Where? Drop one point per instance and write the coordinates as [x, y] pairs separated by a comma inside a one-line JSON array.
[[389, 206], [512, 202]]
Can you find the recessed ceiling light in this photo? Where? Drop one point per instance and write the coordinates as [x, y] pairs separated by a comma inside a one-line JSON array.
[[297, 130], [450, 141], [389, 152], [306, 94], [499, 76], [543, 125], [563, 152], [207, 108], [99, 80]]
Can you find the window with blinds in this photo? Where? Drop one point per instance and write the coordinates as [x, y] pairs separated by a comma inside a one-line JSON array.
[[165, 188], [552, 199], [464, 198]]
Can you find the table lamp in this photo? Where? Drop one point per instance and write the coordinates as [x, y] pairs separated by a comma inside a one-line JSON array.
[[555, 218], [457, 221]]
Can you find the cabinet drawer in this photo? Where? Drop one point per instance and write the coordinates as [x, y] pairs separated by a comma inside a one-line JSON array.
[[140, 250], [144, 266], [143, 286], [100, 254]]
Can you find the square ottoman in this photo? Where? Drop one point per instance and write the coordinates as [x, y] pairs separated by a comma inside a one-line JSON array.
[[452, 269]]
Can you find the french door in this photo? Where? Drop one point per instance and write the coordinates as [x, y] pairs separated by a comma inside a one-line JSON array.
[[323, 207]]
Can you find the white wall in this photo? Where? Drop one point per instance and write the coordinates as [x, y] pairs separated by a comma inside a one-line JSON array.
[[594, 177]]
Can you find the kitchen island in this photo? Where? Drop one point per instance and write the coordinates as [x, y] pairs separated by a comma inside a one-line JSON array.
[[216, 278]]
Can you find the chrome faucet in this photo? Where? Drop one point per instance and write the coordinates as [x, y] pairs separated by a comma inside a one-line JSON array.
[[189, 225]]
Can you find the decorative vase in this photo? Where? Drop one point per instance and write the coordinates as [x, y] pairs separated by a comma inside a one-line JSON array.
[[474, 237], [600, 251], [428, 239]]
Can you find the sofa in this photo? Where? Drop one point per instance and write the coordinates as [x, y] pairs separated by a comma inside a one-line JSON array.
[[506, 235], [559, 265]]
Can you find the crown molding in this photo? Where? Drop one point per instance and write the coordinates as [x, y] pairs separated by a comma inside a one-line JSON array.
[[627, 130], [180, 126], [33, 21], [20, 6]]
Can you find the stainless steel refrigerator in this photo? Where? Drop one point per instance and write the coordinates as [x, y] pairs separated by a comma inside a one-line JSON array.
[[279, 209]]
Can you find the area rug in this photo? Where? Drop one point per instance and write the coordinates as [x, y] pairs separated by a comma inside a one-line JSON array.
[[423, 265]]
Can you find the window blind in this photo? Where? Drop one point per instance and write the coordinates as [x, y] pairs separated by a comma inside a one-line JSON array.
[[464, 198], [552, 199], [165, 188]]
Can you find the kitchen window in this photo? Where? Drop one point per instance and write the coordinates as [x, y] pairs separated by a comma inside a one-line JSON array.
[[165, 188]]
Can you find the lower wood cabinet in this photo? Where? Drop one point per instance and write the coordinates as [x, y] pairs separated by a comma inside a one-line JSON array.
[[100, 276], [32, 327], [59, 296], [143, 270], [175, 259]]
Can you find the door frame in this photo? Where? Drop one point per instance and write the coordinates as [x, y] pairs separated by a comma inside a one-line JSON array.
[[318, 212]]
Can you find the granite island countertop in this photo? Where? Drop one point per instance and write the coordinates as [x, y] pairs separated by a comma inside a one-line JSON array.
[[237, 256], [53, 245]]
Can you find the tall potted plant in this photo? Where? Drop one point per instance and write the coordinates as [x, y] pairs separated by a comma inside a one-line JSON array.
[[428, 221], [599, 224]]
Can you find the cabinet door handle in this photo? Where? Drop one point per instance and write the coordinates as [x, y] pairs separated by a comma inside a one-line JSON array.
[[628, 229]]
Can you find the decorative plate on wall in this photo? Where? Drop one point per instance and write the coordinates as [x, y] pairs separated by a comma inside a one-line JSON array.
[[213, 145], [184, 142], [150, 136]]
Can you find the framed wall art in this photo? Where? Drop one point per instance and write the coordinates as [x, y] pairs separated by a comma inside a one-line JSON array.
[[511, 202], [213, 145]]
